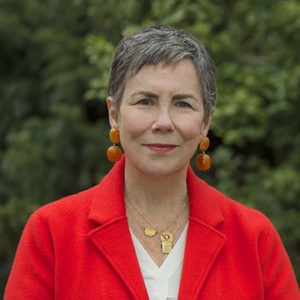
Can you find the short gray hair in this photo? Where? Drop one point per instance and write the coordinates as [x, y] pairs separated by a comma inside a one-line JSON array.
[[154, 44]]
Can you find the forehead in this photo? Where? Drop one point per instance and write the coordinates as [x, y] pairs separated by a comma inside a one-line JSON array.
[[181, 76]]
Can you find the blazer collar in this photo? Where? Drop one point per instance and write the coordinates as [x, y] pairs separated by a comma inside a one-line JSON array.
[[204, 242], [204, 201], [108, 202], [113, 240]]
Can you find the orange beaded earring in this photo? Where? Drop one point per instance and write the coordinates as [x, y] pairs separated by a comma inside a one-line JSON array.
[[203, 161], [114, 153]]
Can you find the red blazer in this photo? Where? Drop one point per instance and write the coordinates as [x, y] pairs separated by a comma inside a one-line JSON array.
[[80, 248]]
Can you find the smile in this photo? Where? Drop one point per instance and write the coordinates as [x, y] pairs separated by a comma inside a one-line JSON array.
[[160, 148]]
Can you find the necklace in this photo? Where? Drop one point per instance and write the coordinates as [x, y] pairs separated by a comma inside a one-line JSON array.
[[166, 237]]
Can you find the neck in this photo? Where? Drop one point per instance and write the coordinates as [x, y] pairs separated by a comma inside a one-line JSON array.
[[155, 194]]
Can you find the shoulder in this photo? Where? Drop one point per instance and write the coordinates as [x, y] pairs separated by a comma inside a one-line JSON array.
[[245, 228], [67, 211], [218, 210], [239, 217], [241, 213]]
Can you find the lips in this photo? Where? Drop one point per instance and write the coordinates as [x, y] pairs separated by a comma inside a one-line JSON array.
[[161, 148]]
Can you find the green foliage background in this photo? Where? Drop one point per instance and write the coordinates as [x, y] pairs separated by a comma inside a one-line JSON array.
[[55, 57]]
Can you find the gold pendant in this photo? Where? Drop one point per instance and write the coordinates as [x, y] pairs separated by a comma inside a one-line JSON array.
[[166, 242], [150, 232]]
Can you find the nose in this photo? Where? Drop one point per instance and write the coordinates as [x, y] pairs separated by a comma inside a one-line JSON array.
[[163, 121]]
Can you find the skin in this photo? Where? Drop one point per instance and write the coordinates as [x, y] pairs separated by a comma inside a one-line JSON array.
[[161, 123]]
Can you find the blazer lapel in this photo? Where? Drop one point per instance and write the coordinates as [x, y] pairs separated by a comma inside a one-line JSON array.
[[204, 242], [112, 237], [113, 240], [203, 246]]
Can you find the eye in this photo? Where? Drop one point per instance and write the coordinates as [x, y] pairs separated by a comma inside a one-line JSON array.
[[145, 101], [183, 104]]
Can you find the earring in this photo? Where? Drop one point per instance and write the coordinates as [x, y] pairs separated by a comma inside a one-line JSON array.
[[114, 153], [203, 161]]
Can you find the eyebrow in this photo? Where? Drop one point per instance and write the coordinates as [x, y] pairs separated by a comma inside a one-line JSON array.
[[145, 93], [183, 96], [175, 97]]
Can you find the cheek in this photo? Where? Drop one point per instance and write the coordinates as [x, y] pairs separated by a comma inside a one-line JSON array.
[[133, 125], [192, 134], [191, 130]]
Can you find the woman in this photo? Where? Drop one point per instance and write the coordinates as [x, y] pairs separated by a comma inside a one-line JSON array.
[[151, 228]]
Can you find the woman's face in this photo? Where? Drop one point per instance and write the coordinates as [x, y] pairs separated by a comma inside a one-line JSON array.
[[161, 118]]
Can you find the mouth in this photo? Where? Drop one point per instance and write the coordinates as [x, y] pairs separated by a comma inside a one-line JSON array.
[[160, 148]]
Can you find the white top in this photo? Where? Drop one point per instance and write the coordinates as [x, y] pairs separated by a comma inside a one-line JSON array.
[[162, 282]]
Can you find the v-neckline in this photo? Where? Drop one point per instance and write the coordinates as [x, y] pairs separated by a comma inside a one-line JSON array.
[[171, 262]]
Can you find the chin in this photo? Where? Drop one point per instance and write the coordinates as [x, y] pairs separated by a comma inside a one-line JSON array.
[[161, 170]]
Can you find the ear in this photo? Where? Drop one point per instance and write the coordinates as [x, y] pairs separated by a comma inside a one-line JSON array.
[[113, 118], [206, 125]]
